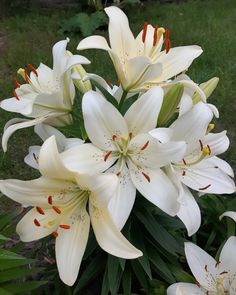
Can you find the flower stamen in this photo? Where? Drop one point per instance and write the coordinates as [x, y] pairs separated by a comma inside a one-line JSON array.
[[36, 222], [145, 146], [32, 69], [147, 177], [15, 95], [56, 209], [50, 200], [40, 210], [16, 83], [55, 234], [204, 188], [64, 226], [155, 35], [144, 32], [106, 156]]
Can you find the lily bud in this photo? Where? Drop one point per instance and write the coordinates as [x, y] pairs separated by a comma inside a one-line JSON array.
[[170, 103], [207, 87], [82, 85]]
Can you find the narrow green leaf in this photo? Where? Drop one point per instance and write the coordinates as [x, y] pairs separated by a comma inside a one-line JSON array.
[[112, 269], [126, 281], [105, 284], [22, 288], [140, 274], [17, 273], [4, 292]]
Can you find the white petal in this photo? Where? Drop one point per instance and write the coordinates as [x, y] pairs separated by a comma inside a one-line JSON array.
[[86, 158], [162, 134], [50, 163], [95, 41], [189, 212], [23, 106], [122, 202], [228, 258], [186, 104], [185, 289], [120, 36], [223, 165], [32, 158], [148, 152], [230, 214], [177, 60], [109, 237], [218, 142], [214, 110], [142, 116], [233, 287], [155, 186], [102, 187], [102, 120], [70, 247], [207, 178], [60, 57], [202, 266], [74, 60], [28, 231], [11, 129], [35, 192], [192, 125]]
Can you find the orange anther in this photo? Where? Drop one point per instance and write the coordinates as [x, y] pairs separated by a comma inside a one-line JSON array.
[[15, 94], [55, 234], [205, 187], [33, 69], [64, 226], [145, 146], [50, 200], [168, 46], [144, 32], [40, 210], [106, 156], [56, 209], [36, 222], [184, 162], [183, 173], [114, 137], [26, 77], [16, 83], [155, 36], [147, 177]]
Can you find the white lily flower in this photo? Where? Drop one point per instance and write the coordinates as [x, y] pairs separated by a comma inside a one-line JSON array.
[[48, 94], [124, 145], [44, 132], [213, 277], [139, 62], [59, 199], [199, 169]]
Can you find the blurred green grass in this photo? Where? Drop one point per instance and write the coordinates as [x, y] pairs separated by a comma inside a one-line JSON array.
[[29, 37]]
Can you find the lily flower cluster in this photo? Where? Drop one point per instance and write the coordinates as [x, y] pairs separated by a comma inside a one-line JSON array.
[[152, 134]]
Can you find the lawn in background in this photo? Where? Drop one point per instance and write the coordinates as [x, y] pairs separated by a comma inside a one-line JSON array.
[[28, 38]]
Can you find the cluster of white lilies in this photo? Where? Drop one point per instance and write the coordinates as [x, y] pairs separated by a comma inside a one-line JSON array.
[[160, 150]]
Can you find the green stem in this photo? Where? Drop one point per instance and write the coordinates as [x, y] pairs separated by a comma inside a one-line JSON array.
[[123, 97]]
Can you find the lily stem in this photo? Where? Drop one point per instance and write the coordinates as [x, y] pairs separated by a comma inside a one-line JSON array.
[[123, 97]]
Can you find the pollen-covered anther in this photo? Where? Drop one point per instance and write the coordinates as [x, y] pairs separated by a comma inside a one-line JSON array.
[[130, 135], [206, 150], [15, 95], [183, 173], [114, 137], [40, 210], [55, 234], [147, 177], [144, 146], [184, 162], [56, 209], [217, 263], [144, 32], [107, 155], [36, 222], [167, 41], [16, 83], [32, 69], [155, 36], [118, 173], [204, 188], [206, 268], [64, 226], [223, 272], [50, 200]]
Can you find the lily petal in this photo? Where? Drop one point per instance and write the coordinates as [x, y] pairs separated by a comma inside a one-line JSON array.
[[28, 231], [94, 42], [142, 116], [218, 142], [185, 289], [155, 186], [32, 158], [228, 259], [122, 202], [177, 60], [202, 266], [50, 163], [86, 159], [109, 237], [99, 112], [230, 214], [70, 246], [11, 129]]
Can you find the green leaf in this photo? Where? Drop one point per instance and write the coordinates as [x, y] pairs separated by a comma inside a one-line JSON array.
[[170, 103], [159, 233], [126, 281], [4, 292], [13, 274], [140, 274], [105, 284], [207, 87], [91, 271], [22, 288], [3, 238]]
